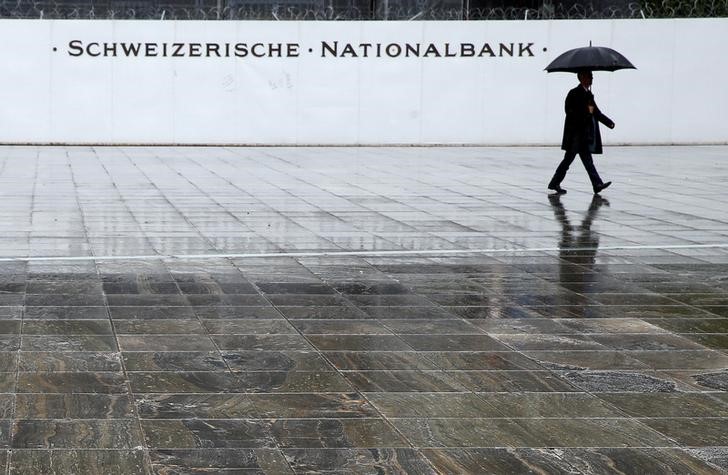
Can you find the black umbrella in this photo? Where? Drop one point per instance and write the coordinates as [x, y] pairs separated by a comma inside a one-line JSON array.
[[592, 58]]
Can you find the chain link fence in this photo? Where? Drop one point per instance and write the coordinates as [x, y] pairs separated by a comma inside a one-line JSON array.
[[361, 9]]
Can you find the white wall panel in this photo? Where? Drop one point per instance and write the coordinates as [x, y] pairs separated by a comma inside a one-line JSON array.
[[143, 90], [390, 91], [677, 95], [26, 80], [700, 93]]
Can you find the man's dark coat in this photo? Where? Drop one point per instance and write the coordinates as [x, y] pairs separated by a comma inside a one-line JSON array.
[[579, 128]]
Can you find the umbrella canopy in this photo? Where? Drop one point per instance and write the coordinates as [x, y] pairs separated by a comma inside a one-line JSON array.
[[593, 58]]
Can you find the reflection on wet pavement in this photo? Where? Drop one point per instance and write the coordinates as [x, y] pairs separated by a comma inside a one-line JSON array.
[[592, 339]]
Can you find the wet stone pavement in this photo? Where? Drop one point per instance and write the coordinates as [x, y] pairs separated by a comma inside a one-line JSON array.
[[429, 310]]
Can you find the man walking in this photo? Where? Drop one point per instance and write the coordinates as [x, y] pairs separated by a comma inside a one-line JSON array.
[[581, 134]]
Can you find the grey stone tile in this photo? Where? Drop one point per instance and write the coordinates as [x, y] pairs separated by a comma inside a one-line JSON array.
[[207, 433], [173, 361], [292, 382], [342, 327], [587, 359], [50, 300], [8, 361], [454, 343], [158, 327], [81, 462], [386, 460], [152, 312], [82, 434], [6, 432], [269, 461], [498, 460], [183, 382], [249, 327], [668, 404], [265, 312], [399, 313], [717, 310], [482, 360], [98, 382], [709, 340], [79, 286], [465, 433], [528, 342], [7, 382], [143, 300], [380, 360], [371, 288], [646, 342], [147, 343], [530, 326], [12, 312], [87, 361], [294, 288], [67, 327], [7, 402], [693, 432], [228, 300], [74, 343], [698, 380], [358, 343], [433, 405], [633, 461], [336, 433], [600, 359], [324, 313], [312, 406], [296, 300], [682, 360], [716, 456], [9, 343], [620, 381], [612, 325], [73, 406], [432, 327], [195, 406], [592, 433], [261, 342], [535, 405], [403, 300], [9, 327], [275, 361], [512, 381], [403, 381]]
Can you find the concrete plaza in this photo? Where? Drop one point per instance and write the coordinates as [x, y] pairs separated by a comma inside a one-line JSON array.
[[362, 310]]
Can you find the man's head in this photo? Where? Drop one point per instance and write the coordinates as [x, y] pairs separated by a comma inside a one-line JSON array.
[[585, 78]]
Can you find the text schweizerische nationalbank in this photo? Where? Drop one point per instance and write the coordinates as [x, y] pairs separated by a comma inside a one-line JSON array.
[[326, 49]]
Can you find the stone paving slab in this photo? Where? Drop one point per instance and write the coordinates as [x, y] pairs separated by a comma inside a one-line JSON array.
[[362, 310]]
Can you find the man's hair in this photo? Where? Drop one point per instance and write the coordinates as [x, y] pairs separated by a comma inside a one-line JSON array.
[[583, 73]]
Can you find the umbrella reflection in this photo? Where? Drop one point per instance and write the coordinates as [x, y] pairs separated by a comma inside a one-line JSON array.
[[578, 246]]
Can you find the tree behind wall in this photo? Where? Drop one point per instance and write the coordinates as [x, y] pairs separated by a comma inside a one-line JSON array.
[[361, 9]]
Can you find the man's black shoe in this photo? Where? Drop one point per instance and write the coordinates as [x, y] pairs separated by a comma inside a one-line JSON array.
[[557, 189], [601, 187]]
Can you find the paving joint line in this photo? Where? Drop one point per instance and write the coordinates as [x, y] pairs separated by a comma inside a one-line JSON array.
[[394, 253]]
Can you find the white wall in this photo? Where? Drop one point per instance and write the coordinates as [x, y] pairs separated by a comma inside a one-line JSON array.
[[678, 94]]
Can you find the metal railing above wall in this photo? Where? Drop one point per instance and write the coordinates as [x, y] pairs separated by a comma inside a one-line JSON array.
[[360, 9]]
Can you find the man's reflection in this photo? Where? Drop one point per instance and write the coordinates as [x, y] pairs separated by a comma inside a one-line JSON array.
[[578, 246]]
